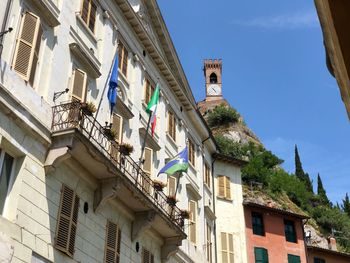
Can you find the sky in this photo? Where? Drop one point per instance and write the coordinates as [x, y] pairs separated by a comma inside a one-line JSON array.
[[274, 74]]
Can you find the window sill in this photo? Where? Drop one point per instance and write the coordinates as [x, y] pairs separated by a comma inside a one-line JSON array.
[[123, 79], [192, 168], [224, 198], [207, 187], [49, 11], [87, 29], [171, 140]]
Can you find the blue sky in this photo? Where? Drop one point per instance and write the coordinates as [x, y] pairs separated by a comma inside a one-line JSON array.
[[274, 74]]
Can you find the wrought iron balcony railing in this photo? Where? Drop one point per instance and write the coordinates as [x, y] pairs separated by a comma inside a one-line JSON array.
[[71, 115]]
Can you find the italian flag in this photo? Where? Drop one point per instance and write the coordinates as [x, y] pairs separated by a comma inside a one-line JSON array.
[[152, 108]]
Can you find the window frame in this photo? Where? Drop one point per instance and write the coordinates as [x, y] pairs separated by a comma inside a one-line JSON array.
[[207, 174], [116, 248], [227, 237], [84, 88], [226, 187], [191, 152], [209, 252], [265, 253], [149, 89], [293, 258], [319, 260], [150, 258], [11, 177], [87, 22], [256, 225], [288, 233], [123, 58], [171, 129], [192, 221]]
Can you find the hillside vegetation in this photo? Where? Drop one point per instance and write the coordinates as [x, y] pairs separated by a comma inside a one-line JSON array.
[[264, 168]]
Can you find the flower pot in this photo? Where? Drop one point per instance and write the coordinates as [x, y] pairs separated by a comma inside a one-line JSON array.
[[126, 149], [171, 200], [184, 214]]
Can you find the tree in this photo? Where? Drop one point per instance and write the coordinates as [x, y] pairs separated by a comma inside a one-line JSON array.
[[299, 172], [321, 191], [346, 204]]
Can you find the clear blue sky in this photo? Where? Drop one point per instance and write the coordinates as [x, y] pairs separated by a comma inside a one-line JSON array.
[[274, 74]]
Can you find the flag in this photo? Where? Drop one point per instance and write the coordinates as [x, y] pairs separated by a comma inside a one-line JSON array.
[[152, 108], [178, 164], [113, 84]]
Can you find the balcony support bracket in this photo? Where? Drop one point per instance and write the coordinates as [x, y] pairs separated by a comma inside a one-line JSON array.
[[143, 221], [55, 157], [107, 189], [170, 247]]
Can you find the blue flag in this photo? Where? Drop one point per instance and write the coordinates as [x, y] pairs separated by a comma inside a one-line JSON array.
[[178, 164], [113, 84]]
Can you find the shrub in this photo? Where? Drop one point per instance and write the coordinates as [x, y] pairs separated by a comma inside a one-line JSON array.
[[229, 147], [222, 115]]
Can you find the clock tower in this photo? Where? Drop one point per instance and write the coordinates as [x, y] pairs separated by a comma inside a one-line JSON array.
[[212, 72]]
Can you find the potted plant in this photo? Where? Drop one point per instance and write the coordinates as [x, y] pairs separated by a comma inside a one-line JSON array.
[[88, 108], [185, 214], [126, 148], [110, 133], [171, 200], [158, 185]]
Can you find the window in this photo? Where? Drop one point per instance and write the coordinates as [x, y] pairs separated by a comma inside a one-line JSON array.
[[192, 221], [149, 90], [117, 126], [147, 257], [6, 164], [172, 125], [88, 13], [147, 168], [213, 78], [208, 245], [27, 47], [112, 248], [258, 224], [122, 58], [207, 174], [171, 185], [224, 187], [227, 247], [67, 220], [289, 231], [191, 153], [293, 259], [78, 85], [319, 260], [261, 255]]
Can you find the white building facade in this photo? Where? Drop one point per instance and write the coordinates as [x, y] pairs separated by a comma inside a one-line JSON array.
[[67, 193]]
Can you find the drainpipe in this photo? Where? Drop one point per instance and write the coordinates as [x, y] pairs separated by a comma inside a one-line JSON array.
[[214, 202], [3, 26]]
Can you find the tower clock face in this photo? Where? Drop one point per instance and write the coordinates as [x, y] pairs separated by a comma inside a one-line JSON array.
[[214, 90]]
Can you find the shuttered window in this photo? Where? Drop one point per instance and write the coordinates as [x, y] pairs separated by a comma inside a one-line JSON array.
[[208, 244], [78, 85], [258, 224], [227, 247], [27, 47], [172, 125], [319, 260], [293, 259], [67, 220], [147, 167], [117, 126], [147, 256], [289, 231], [207, 174], [192, 221], [149, 90], [261, 255], [123, 58], [112, 248], [224, 185], [88, 13], [191, 153], [171, 185]]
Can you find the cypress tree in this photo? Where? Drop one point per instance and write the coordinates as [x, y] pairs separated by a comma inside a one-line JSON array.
[[299, 172], [321, 191], [346, 205]]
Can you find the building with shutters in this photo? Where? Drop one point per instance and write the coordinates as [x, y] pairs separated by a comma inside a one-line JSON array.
[[68, 191]]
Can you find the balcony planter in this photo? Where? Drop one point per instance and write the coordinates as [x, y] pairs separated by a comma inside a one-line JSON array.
[[185, 214], [171, 200], [158, 185], [110, 133], [126, 148], [88, 108]]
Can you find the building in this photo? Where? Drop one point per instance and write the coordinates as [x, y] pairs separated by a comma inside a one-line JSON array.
[[69, 193], [317, 254], [273, 233], [334, 19]]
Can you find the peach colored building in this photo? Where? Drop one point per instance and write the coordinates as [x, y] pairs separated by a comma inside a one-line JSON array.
[[274, 235], [322, 255]]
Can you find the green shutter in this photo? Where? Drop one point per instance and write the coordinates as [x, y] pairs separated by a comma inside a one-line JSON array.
[[258, 224], [289, 231], [293, 259], [319, 260], [261, 255]]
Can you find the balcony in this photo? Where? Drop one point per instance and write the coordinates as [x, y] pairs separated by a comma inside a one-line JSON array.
[[78, 136]]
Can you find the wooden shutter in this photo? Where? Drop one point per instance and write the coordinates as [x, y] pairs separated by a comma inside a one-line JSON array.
[[117, 125], [125, 61], [26, 45], [147, 165], [293, 259], [224, 247], [261, 255], [147, 256], [35, 57], [92, 16], [120, 54], [206, 174], [79, 85], [193, 219], [85, 11], [67, 220], [171, 125], [209, 252], [112, 249], [191, 153], [221, 184], [171, 185], [227, 187], [230, 248]]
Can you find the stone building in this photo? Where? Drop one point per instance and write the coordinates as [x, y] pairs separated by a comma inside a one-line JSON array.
[[68, 194]]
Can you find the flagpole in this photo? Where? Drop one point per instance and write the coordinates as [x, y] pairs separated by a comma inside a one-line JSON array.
[[104, 90]]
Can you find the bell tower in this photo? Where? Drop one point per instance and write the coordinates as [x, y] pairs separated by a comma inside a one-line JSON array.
[[213, 85]]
